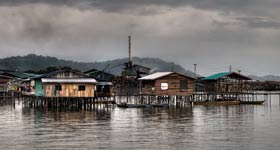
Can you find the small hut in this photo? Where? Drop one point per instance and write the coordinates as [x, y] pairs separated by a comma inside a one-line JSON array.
[[20, 81], [4, 84], [166, 83], [65, 83], [104, 83], [225, 82]]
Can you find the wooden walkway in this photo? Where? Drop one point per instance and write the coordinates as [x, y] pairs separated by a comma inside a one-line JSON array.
[[88, 103]]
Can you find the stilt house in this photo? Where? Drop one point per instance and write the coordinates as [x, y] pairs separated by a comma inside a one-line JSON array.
[[226, 82], [65, 83], [166, 83], [104, 83], [4, 84]]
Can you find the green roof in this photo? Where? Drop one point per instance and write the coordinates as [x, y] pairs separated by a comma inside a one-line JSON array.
[[216, 76], [18, 74], [232, 75]]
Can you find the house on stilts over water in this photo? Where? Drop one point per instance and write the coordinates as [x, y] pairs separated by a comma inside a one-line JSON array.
[[225, 82], [166, 83], [64, 83]]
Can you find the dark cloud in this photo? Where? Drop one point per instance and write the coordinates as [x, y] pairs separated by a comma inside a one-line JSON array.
[[210, 33]]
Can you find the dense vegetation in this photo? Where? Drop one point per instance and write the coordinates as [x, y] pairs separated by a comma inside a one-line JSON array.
[[41, 64]]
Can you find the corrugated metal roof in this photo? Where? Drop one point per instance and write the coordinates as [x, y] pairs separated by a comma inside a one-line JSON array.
[[233, 75], [104, 83], [81, 80], [155, 75], [18, 74], [216, 76]]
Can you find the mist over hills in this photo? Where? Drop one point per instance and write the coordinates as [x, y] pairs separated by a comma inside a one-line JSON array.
[[39, 62]]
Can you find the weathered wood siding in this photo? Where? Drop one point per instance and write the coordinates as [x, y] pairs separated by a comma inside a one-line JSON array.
[[69, 90], [67, 74], [174, 87]]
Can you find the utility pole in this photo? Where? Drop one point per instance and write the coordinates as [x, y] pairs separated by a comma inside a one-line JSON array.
[[230, 68]]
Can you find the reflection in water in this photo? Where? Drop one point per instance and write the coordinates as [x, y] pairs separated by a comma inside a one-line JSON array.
[[200, 127]]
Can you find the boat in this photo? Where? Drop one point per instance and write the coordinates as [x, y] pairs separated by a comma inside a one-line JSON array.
[[218, 103], [125, 105], [252, 102]]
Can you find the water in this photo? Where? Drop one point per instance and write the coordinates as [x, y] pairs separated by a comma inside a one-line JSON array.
[[219, 127]]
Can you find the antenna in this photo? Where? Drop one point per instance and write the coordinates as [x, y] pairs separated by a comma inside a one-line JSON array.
[[129, 48]]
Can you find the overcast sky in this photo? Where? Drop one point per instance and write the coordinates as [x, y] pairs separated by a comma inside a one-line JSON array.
[[210, 33]]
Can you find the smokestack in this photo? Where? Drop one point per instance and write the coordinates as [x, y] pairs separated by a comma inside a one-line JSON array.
[[129, 48]]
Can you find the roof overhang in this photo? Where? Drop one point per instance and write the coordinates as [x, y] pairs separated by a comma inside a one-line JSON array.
[[81, 80], [158, 75], [104, 83]]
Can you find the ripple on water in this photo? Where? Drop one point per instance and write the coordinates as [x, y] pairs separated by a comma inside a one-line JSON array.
[[233, 127]]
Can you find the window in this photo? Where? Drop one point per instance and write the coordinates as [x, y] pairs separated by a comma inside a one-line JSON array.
[[82, 87], [58, 87], [164, 86], [183, 84]]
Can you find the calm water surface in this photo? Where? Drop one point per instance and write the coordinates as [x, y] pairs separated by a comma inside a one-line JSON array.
[[220, 127]]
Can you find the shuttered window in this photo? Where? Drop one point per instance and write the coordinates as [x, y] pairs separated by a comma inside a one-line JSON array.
[[82, 87], [183, 84]]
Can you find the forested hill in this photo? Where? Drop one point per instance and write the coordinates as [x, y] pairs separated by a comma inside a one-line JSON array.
[[36, 63]]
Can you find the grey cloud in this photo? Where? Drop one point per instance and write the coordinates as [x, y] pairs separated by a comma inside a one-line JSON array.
[[68, 31], [117, 5], [259, 22]]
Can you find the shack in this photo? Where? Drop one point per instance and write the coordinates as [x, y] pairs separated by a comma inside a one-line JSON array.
[[15, 85], [104, 83], [225, 82], [65, 83], [4, 84], [166, 83]]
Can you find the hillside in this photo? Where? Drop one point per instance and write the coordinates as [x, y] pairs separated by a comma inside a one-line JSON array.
[[36, 63], [266, 78]]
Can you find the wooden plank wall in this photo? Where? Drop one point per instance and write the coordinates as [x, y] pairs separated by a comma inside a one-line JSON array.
[[69, 90], [173, 81]]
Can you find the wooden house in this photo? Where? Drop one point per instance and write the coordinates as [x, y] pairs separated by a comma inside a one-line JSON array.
[[65, 83], [100, 76], [166, 83], [20, 82], [104, 83], [225, 82], [4, 84]]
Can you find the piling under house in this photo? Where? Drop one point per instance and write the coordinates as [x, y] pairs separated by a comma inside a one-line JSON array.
[[65, 83], [166, 83], [226, 82]]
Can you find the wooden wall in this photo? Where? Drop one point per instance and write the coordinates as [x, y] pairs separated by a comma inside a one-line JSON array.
[[173, 81], [67, 74], [69, 90], [227, 85]]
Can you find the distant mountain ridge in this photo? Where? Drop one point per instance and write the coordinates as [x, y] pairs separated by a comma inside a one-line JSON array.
[[266, 78], [39, 62]]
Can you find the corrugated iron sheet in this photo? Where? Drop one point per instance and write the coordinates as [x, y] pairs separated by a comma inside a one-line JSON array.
[[155, 75], [82, 80]]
